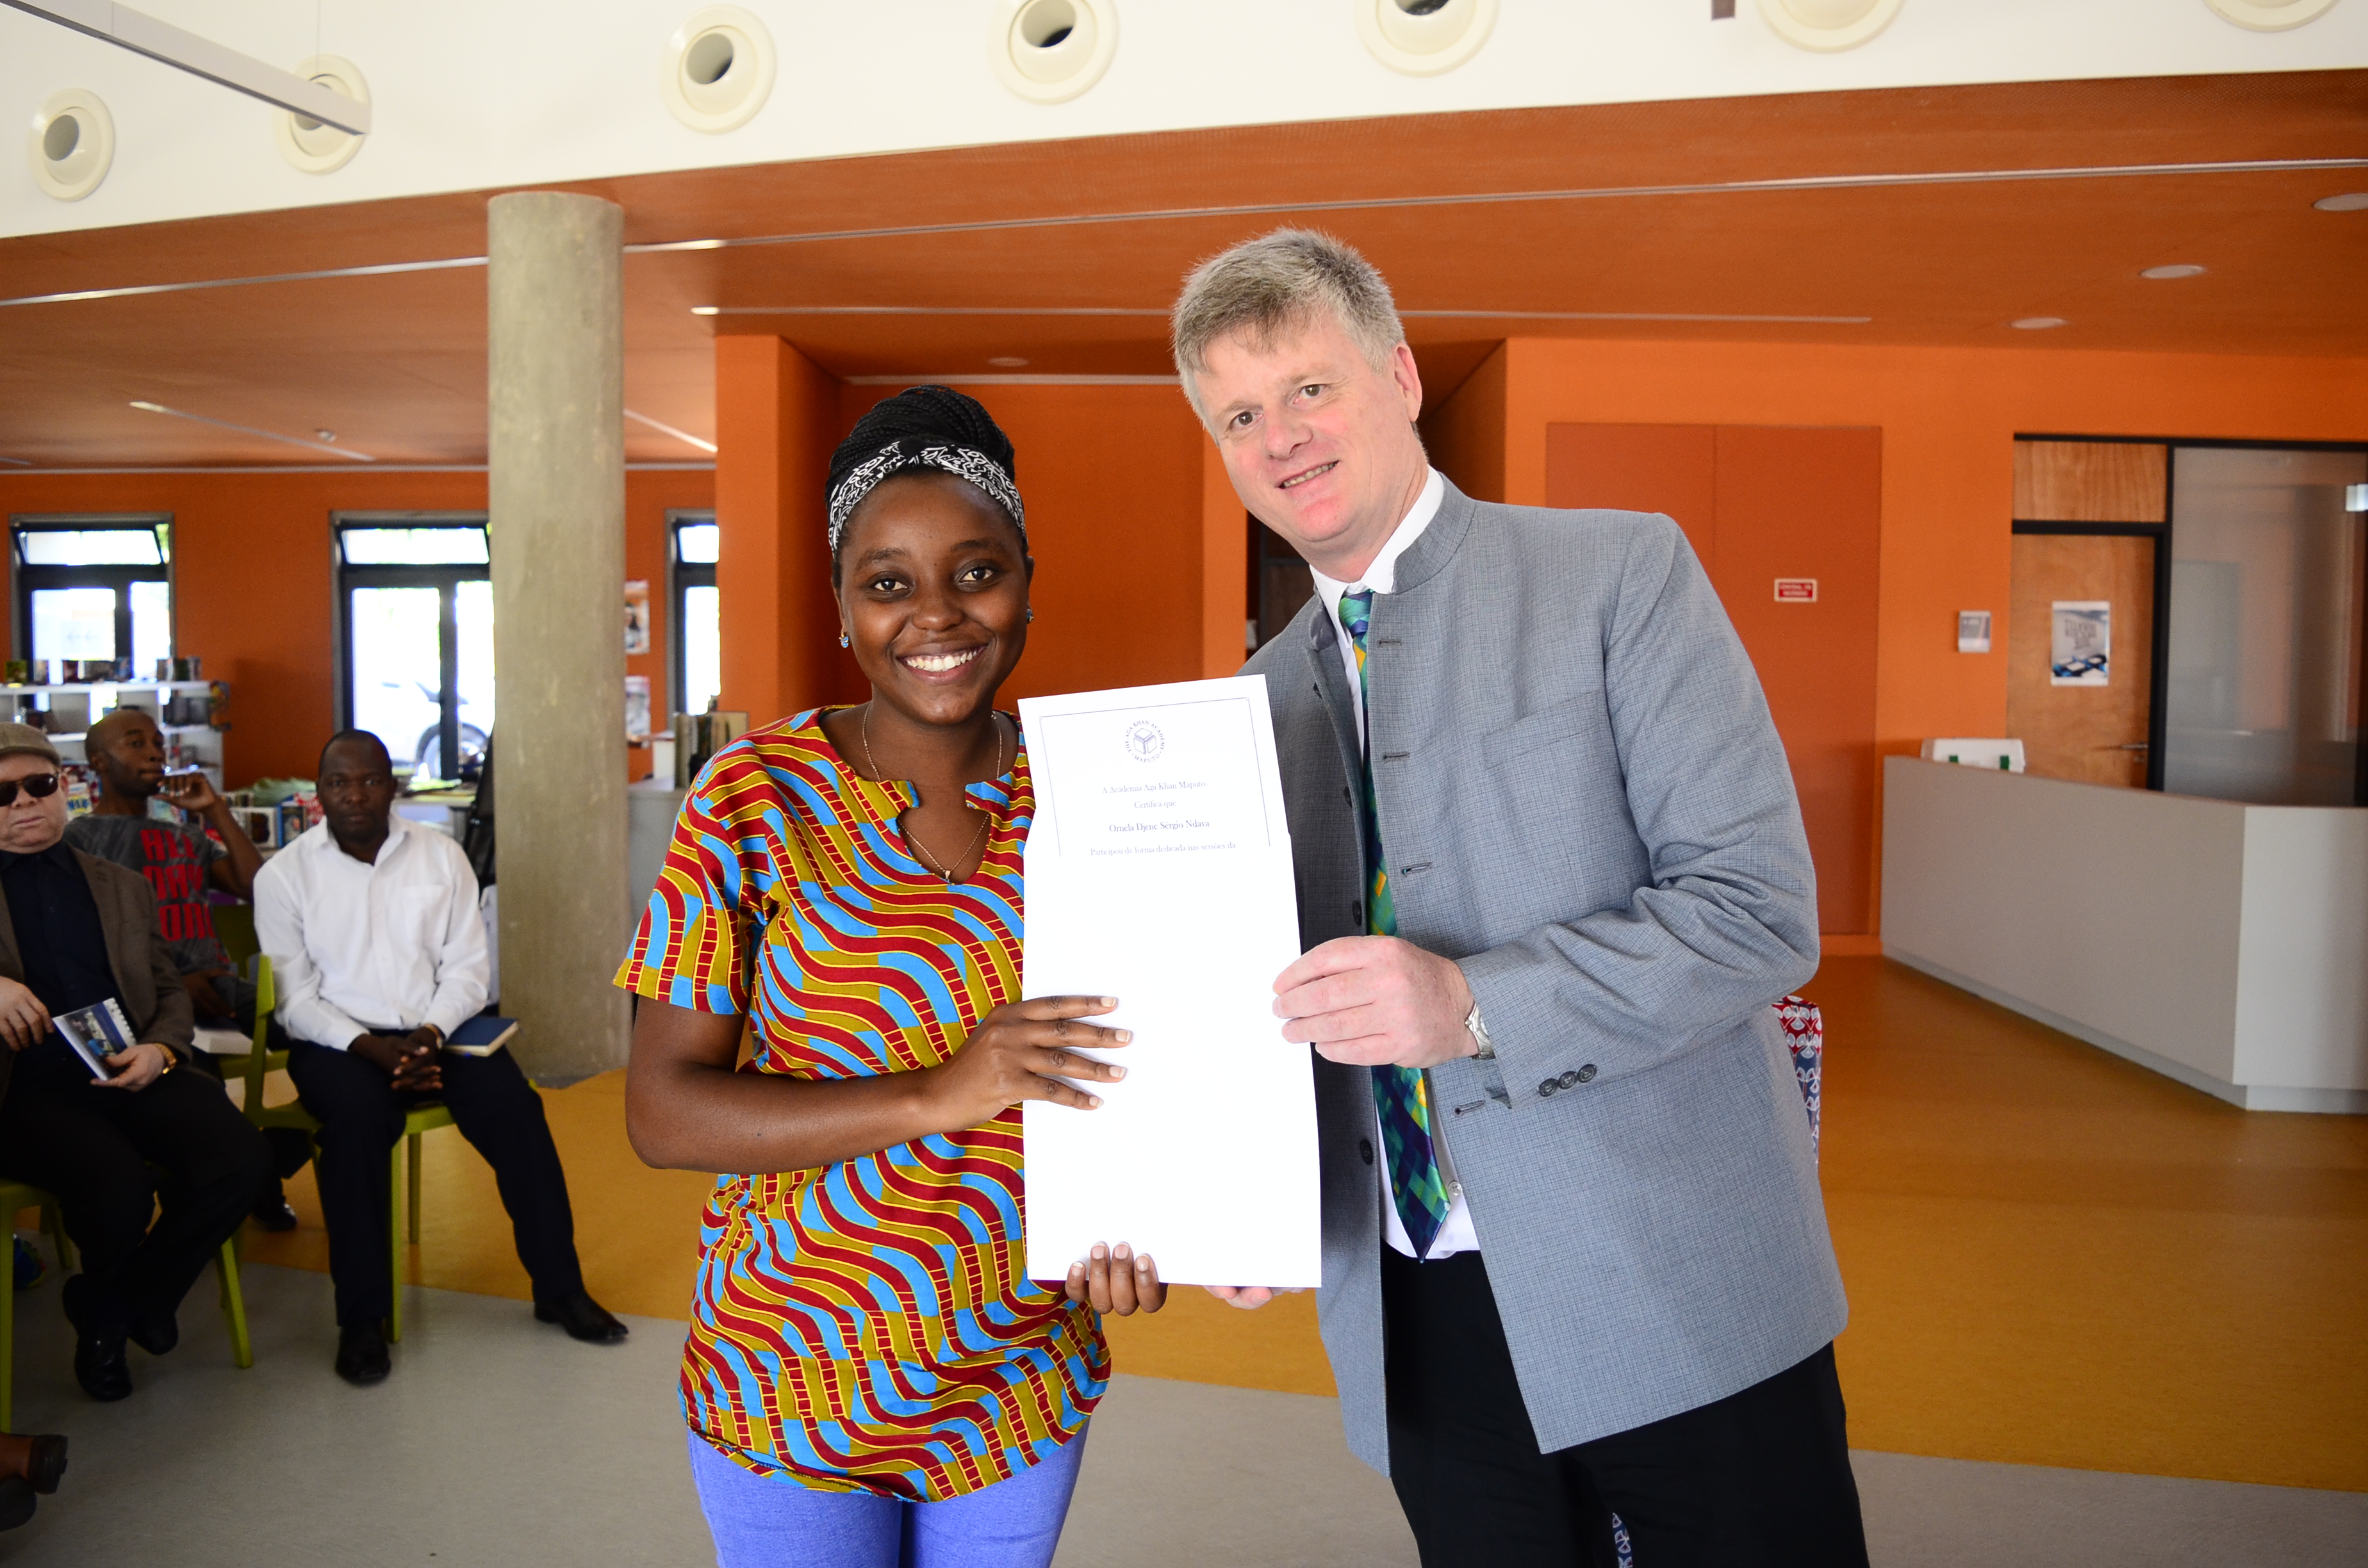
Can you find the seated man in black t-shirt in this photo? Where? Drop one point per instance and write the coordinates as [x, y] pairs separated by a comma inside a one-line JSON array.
[[78, 932], [127, 750]]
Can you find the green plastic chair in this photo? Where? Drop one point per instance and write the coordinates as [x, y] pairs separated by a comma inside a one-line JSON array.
[[262, 1060], [17, 1195]]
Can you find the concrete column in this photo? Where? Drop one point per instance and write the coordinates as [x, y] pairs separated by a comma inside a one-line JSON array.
[[555, 449]]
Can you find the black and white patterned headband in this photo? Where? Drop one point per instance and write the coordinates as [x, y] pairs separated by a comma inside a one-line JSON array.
[[902, 454]]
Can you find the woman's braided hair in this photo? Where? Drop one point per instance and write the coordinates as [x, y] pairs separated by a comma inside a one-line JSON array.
[[923, 428]]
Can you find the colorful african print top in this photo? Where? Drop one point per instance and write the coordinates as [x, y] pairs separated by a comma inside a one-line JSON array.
[[866, 1325]]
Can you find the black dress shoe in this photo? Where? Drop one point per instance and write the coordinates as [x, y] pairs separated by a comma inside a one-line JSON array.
[[47, 1464], [582, 1318], [156, 1333], [98, 1361], [16, 1502], [273, 1214], [361, 1355]]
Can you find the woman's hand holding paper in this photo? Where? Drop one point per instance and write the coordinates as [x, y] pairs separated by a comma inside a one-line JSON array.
[[1021, 1051], [1117, 1279]]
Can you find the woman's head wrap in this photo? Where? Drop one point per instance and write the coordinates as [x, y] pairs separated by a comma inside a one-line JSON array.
[[923, 428]]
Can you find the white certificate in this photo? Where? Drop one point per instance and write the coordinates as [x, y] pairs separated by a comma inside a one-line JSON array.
[[1159, 873]]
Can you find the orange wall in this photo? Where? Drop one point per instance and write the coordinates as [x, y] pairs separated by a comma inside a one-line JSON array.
[[254, 583], [1948, 419]]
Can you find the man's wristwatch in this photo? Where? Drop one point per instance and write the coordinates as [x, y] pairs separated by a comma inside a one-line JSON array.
[[1479, 1032]]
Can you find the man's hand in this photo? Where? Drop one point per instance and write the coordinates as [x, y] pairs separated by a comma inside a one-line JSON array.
[[1249, 1298], [23, 1019], [192, 791], [137, 1068], [1376, 1001], [204, 995], [410, 1060]]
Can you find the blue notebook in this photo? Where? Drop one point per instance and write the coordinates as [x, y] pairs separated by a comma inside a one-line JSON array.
[[480, 1036]]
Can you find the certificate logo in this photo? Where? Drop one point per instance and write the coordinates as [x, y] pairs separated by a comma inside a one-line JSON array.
[[1143, 741]]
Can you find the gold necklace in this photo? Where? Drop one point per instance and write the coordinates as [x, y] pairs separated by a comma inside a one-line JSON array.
[[986, 821]]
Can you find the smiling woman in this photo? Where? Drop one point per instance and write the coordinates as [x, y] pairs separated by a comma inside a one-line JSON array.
[[868, 1362]]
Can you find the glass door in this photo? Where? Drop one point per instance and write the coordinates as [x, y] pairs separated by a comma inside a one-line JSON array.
[[418, 602], [2266, 604]]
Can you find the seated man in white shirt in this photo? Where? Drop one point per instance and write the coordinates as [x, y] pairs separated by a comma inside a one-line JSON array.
[[377, 954]]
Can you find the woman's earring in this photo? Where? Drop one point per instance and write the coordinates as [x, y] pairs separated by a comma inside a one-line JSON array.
[[842, 640], [1032, 612]]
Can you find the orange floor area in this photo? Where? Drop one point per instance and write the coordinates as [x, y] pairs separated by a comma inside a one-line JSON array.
[[2053, 1257]]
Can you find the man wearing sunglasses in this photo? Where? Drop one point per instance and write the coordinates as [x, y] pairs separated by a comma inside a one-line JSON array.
[[76, 931]]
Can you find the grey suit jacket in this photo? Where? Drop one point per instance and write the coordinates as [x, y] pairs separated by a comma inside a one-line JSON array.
[[1584, 803], [146, 979]]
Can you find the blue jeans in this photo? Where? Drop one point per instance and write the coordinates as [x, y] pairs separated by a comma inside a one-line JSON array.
[[768, 1522]]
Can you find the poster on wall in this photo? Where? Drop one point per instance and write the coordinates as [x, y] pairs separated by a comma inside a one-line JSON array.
[[637, 616], [2081, 646], [637, 709]]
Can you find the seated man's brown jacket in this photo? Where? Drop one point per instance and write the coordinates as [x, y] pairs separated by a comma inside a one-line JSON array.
[[146, 981]]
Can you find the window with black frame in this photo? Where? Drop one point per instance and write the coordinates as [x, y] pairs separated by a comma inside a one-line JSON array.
[[416, 603], [93, 588], [693, 623]]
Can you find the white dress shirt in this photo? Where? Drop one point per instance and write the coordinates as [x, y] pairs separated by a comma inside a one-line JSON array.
[[1456, 1233], [390, 945]]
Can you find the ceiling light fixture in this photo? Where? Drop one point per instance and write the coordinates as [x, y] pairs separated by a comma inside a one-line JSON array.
[[169, 45], [2270, 16], [1424, 37], [1827, 26], [1007, 361], [2350, 201], [662, 428], [2037, 324], [2179, 269], [345, 452], [1048, 51], [705, 309], [716, 71], [312, 144], [73, 144]]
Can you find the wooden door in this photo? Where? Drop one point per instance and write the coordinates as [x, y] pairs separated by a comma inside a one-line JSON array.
[[1760, 503], [2090, 734]]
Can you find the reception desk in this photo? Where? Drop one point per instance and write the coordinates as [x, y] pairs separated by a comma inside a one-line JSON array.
[[2221, 944]]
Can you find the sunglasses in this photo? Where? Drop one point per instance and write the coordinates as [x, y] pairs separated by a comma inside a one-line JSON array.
[[41, 786]]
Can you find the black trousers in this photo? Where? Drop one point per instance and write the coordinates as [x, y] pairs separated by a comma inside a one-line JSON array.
[[1756, 1480], [102, 1151], [361, 1113], [291, 1146]]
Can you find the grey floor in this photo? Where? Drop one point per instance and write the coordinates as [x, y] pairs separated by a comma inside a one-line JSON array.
[[499, 1441]]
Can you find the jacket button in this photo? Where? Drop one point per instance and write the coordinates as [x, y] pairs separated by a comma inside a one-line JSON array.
[[1357, 911], [1548, 1088], [1365, 1150], [1586, 1075], [1572, 1080]]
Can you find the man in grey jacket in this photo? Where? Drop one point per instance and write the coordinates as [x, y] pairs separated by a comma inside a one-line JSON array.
[[1551, 874]]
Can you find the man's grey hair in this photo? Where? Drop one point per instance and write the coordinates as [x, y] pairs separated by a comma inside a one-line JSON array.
[[1275, 284]]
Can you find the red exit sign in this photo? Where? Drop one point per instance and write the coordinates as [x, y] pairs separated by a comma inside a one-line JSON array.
[[1796, 590]]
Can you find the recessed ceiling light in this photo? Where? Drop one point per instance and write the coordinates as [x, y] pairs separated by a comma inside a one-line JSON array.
[[326, 434], [704, 309], [2037, 324], [1007, 361], [2178, 270], [2350, 201]]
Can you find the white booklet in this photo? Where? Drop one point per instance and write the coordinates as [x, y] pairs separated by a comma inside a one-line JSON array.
[[1159, 872], [96, 1033]]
